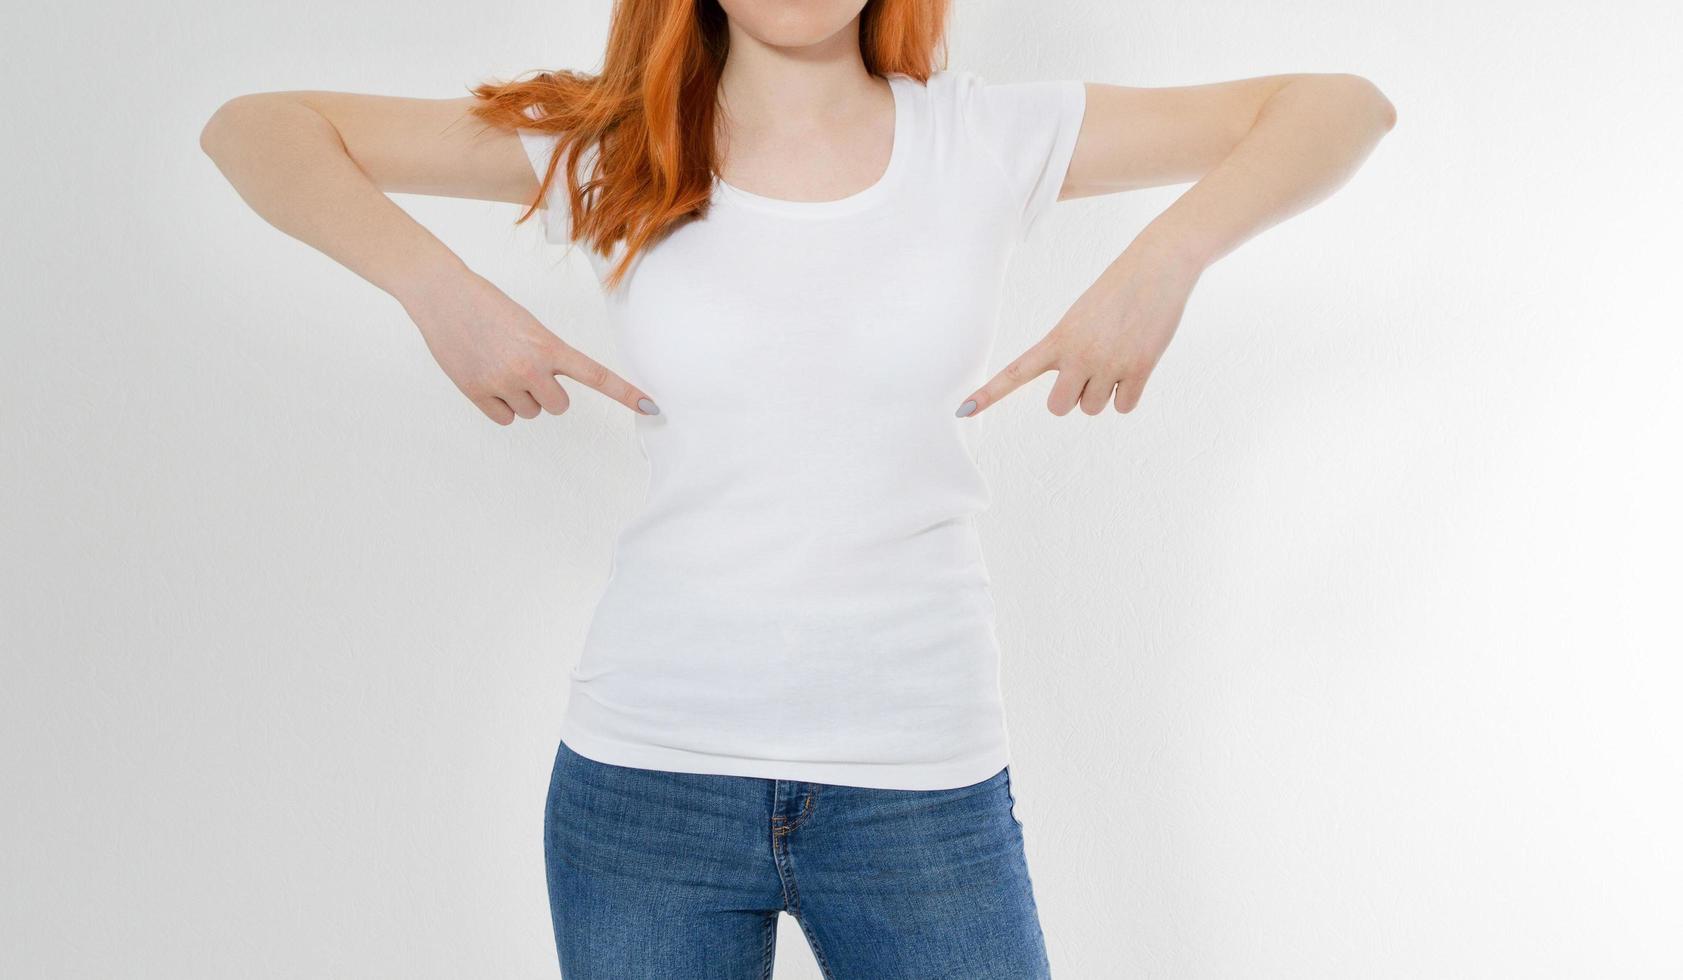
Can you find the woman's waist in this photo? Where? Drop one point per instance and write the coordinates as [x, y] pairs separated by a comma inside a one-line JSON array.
[[838, 556], [880, 637]]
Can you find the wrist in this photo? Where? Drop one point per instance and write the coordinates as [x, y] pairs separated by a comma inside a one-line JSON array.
[[1168, 253], [421, 281]]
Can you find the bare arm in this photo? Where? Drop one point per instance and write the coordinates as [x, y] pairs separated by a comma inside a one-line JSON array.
[[318, 166], [1261, 150]]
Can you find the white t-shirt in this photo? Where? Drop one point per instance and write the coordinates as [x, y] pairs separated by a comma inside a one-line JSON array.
[[802, 594]]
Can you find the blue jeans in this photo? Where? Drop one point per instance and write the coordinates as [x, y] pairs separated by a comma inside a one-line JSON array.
[[657, 875]]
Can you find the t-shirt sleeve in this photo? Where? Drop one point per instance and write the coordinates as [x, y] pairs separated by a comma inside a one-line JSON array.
[[1029, 128], [554, 211]]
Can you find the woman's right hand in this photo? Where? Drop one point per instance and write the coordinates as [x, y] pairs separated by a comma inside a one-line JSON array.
[[319, 165], [500, 356]]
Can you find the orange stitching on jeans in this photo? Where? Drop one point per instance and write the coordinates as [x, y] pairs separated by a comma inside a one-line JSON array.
[[781, 825], [778, 826], [806, 807]]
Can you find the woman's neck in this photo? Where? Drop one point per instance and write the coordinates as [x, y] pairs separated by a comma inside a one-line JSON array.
[[767, 88]]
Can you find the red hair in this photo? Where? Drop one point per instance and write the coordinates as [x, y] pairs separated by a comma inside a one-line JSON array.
[[650, 112]]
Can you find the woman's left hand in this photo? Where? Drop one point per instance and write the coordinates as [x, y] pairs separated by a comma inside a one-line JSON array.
[[1107, 344]]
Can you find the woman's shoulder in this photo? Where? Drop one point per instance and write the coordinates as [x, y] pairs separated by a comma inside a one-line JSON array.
[[948, 92], [952, 83]]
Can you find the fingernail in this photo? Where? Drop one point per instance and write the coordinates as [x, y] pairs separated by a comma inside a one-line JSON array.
[[647, 407], [966, 408]]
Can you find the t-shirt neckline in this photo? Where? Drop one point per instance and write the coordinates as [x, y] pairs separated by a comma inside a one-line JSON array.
[[856, 201]]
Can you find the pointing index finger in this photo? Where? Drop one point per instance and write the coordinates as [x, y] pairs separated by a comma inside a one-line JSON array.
[[1031, 364], [587, 371]]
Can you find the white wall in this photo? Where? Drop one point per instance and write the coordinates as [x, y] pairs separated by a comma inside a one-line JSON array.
[[1352, 653]]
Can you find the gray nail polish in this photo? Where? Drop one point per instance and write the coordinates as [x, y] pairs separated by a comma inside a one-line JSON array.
[[966, 408], [647, 407]]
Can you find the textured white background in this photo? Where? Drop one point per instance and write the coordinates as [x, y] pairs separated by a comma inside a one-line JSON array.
[[1352, 653]]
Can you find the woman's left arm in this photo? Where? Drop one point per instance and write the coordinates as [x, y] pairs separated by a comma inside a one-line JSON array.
[[1261, 150]]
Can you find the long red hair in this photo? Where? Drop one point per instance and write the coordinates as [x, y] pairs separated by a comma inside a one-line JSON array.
[[650, 112]]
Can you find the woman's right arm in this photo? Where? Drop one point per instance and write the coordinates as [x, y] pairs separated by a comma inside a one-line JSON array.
[[318, 166]]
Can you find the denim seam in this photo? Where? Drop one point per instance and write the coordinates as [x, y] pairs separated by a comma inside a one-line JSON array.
[[768, 956], [817, 950], [792, 895], [1011, 794]]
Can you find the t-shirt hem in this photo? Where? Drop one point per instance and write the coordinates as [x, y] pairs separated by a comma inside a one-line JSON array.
[[899, 775]]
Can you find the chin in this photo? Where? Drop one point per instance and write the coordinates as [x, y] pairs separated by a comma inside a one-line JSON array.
[[791, 23]]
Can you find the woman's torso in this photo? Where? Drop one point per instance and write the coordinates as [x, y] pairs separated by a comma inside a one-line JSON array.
[[802, 594]]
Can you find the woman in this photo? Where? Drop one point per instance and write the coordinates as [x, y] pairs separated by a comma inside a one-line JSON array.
[[788, 699]]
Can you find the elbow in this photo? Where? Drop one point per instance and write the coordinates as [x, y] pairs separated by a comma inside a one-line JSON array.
[[227, 121], [1382, 105], [1365, 93], [214, 135]]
